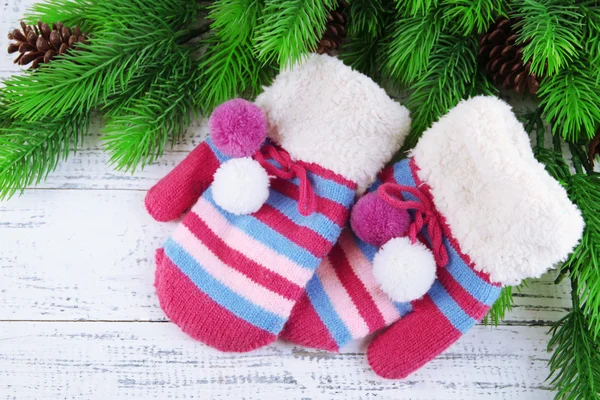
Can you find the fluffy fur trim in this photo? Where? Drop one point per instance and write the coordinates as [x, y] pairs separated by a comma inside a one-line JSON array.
[[405, 271], [507, 213], [322, 111], [241, 186]]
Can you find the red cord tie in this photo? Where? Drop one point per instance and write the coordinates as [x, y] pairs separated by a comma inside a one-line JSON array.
[[424, 215], [289, 169]]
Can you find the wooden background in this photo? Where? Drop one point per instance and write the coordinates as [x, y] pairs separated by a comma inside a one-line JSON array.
[[79, 318]]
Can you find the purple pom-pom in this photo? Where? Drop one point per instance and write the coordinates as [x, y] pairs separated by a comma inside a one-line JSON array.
[[238, 128], [375, 221]]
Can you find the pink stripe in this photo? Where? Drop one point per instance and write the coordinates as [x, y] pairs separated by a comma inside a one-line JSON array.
[[362, 268], [461, 295], [301, 235], [230, 277], [342, 303], [250, 247]]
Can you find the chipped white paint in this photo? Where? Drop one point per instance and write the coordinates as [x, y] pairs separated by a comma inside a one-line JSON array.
[[79, 317]]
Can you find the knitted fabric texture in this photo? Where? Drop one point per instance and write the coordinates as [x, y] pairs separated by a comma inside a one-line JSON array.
[[502, 219], [343, 301], [230, 280], [229, 276]]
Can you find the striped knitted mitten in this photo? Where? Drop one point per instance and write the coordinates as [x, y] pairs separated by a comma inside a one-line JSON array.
[[232, 271], [487, 210]]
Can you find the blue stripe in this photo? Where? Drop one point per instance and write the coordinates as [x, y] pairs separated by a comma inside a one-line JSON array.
[[221, 294], [367, 249], [403, 308], [325, 188], [266, 235], [329, 189], [316, 222], [481, 290], [375, 185], [220, 156], [450, 308], [320, 301], [403, 174]]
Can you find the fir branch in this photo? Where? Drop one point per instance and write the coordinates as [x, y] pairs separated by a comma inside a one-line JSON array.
[[366, 18], [138, 133], [85, 78], [291, 28], [69, 12], [105, 16], [229, 67], [450, 77], [361, 53], [575, 364], [500, 307], [591, 34], [413, 8], [570, 101], [554, 162], [466, 17], [584, 262], [367, 22], [409, 45], [555, 30], [29, 151], [235, 19]]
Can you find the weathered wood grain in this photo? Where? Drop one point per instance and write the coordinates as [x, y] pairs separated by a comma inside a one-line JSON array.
[[154, 360], [88, 254], [79, 317]]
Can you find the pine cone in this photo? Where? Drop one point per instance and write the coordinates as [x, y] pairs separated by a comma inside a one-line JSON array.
[[335, 30], [594, 148], [39, 44], [503, 58]]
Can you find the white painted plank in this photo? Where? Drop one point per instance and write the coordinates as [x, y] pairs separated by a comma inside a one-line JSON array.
[[88, 254], [90, 167], [156, 361]]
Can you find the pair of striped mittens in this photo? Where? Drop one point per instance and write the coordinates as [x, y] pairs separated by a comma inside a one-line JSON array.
[[266, 248]]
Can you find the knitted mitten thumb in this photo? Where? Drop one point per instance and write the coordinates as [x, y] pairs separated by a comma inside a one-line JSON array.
[[180, 189], [503, 219]]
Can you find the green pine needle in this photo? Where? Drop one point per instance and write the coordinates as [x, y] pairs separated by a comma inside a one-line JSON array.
[[413, 8], [466, 17], [556, 32], [69, 12], [450, 76], [584, 263], [137, 133], [31, 150], [229, 67], [575, 364], [570, 101], [366, 18], [500, 307], [361, 53], [85, 78], [235, 19], [591, 41], [95, 17], [291, 28], [410, 43]]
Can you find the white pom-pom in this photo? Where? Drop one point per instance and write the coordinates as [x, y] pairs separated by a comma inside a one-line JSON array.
[[241, 186], [405, 271]]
